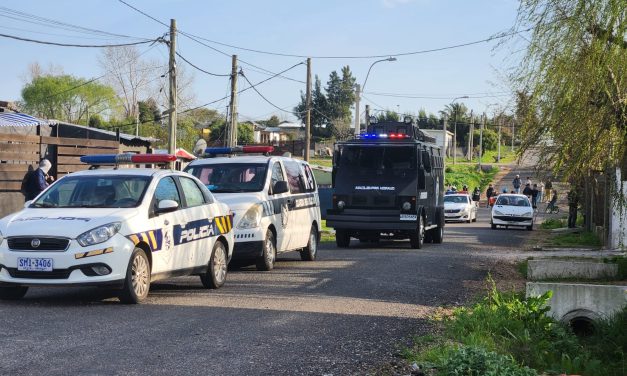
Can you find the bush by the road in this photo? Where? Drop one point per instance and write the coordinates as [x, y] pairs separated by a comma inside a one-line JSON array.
[[506, 333], [465, 174]]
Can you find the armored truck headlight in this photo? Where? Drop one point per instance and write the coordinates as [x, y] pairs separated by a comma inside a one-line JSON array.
[[99, 234], [341, 204], [406, 205], [252, 217]]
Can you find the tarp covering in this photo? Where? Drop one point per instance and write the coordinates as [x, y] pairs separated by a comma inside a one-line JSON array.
[[180, 153], [16, 119]]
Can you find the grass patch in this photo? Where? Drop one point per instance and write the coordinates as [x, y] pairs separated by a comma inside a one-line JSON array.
[[326, 234], [622, 266], [522, 267], [506, 334], [489, 156], [553, 223], [324, 162], [466, 174], [585, 238]]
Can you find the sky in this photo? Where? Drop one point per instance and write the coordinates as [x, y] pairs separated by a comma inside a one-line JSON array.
[[308, 28]]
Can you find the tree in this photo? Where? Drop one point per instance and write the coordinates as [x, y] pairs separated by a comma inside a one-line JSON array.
[[490, 139], [388, 116], [574, 107], [274, 121], [67, 98], [457, 114], [129, 75]]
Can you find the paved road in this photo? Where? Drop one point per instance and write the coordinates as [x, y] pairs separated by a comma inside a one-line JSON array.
[[344, 314]]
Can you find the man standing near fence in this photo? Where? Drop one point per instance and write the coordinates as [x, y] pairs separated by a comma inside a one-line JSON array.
[[38, 180]]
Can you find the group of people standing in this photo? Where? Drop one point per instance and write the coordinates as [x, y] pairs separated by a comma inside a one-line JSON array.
[[536, 193]]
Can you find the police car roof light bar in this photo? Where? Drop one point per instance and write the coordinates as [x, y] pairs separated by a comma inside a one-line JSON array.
[[126, 158], [239, 149]]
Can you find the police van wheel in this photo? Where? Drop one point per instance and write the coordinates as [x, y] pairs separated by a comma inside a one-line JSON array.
[[309, 253], [265, 262], [137, 282], [437, 235], [342, 238], [215, 276], [13, 292], [417, 237]]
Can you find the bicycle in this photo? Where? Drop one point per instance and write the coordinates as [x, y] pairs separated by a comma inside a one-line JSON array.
[[551, 208]]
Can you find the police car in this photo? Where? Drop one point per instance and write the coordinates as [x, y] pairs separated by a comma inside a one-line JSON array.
[[122, 228], [274, 200]]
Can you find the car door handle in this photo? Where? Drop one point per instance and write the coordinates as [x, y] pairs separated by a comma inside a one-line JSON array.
[[166, 222]]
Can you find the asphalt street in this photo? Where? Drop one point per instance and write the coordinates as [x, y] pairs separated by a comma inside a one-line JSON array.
[[346, 313]]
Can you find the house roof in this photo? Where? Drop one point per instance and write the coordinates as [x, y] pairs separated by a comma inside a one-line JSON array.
[[123, 136], [17, 119], [287, 124]]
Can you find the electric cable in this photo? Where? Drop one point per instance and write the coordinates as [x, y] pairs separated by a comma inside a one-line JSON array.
[[160, 39]]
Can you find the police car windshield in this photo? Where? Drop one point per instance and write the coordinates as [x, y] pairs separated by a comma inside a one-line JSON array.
[[456, 199], [388, 160], [231, 177], [512, 201], [97, 191]]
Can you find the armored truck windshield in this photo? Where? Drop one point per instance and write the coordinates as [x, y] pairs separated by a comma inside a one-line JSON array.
[[377, 160]]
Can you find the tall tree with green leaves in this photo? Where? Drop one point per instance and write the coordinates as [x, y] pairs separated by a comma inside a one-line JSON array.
[[574, 80], [67, 98]]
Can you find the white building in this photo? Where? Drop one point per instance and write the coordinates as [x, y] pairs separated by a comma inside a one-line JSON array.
[[439, 139]]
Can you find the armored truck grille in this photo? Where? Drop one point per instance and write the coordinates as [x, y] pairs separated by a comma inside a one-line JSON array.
[[372, 201]]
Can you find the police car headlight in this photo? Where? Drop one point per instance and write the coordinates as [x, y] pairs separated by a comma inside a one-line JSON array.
[[496, 212], [528, 214], [252, 217], [99, 234], [406, 205], [341, 204]]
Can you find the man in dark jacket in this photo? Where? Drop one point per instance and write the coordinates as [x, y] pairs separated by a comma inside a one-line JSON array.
[[535, 193], [517, 183], [38, 180], [527, 191]]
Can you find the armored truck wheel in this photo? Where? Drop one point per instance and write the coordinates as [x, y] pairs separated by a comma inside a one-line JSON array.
[[417, 237]]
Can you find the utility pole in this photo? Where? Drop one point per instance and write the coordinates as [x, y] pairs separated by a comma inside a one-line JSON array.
[[470, 134], [308, 114], [367, 116], [173, 98], [137, 120], [481, 140], [232, 126], [498, 158], [357, 95], [445, 136], [513, 133], [455, 138]]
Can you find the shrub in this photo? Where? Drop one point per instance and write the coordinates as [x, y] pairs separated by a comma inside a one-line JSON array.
[[477, 361]]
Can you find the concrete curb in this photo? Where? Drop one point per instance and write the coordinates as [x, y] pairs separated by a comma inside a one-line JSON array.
[[560, 269]]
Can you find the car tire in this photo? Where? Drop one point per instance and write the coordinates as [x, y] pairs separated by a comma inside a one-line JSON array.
[[493, 226], [265, 262], [137, 281], [469, 220], [437, 235], [342, 238], [474, 219], [311, 250], [530, 228], [215, 276], [13, 292], [417, 237]]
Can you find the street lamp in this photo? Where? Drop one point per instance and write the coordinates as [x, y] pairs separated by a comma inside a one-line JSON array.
[[455, 130], [359, 90]]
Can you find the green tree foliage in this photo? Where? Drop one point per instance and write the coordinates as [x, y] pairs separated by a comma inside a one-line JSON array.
[[149, 111], [245, 133], [574, 80], [490, 139], [388, 116], [67, 98]]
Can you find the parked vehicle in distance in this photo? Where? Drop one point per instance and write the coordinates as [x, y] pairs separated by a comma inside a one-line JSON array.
[[274, 200], [460, 207], [512, 210], [120, 228]]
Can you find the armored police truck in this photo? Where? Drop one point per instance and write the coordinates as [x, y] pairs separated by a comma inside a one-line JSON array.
[[388, 182]]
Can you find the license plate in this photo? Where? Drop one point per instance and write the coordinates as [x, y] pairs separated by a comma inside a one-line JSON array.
[[33, 264]]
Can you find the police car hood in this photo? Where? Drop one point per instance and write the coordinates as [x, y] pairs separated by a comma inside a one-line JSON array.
[[512, 210], [241, 201], [455, 205], [67, 222]]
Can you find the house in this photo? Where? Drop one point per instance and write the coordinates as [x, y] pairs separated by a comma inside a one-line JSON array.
[[296, 131], [439, 139]]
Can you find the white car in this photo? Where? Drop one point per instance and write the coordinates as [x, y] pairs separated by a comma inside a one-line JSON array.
[[512, 210], [274, 200], [459, 207], [122, 228]]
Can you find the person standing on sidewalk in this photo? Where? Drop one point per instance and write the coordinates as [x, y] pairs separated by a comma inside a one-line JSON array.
[[573, 203], [540, 192], [516, 183], [38, 180], [535, 192], [548, 187]]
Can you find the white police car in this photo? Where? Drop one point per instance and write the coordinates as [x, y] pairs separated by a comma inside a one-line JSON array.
[[119, 227], [274, 200], [512, 210]]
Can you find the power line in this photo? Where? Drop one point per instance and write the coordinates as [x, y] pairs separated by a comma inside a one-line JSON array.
[[160, 39], [393, 95], [48, 22], [264, 98], [200, 69]]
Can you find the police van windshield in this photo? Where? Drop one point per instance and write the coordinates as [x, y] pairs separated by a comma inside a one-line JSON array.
[[97, 191], [231, 177], [388, 160]]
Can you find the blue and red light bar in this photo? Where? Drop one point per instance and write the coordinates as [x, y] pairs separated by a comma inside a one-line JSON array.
[[239, 149], [374, 136], [127, 158]]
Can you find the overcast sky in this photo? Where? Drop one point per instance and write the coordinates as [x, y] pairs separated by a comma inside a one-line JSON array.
[[309, 28]]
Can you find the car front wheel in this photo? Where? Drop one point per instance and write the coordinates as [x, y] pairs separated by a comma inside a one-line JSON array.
[[137, 282], [309, 253], [215, 276], [265, 262]]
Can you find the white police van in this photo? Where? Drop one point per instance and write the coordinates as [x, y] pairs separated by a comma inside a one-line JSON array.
[[274, 200], [121, 228]]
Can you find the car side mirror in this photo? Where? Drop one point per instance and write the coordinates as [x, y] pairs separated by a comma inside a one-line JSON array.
[[166, 206], [27, 203], [280, 187]]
